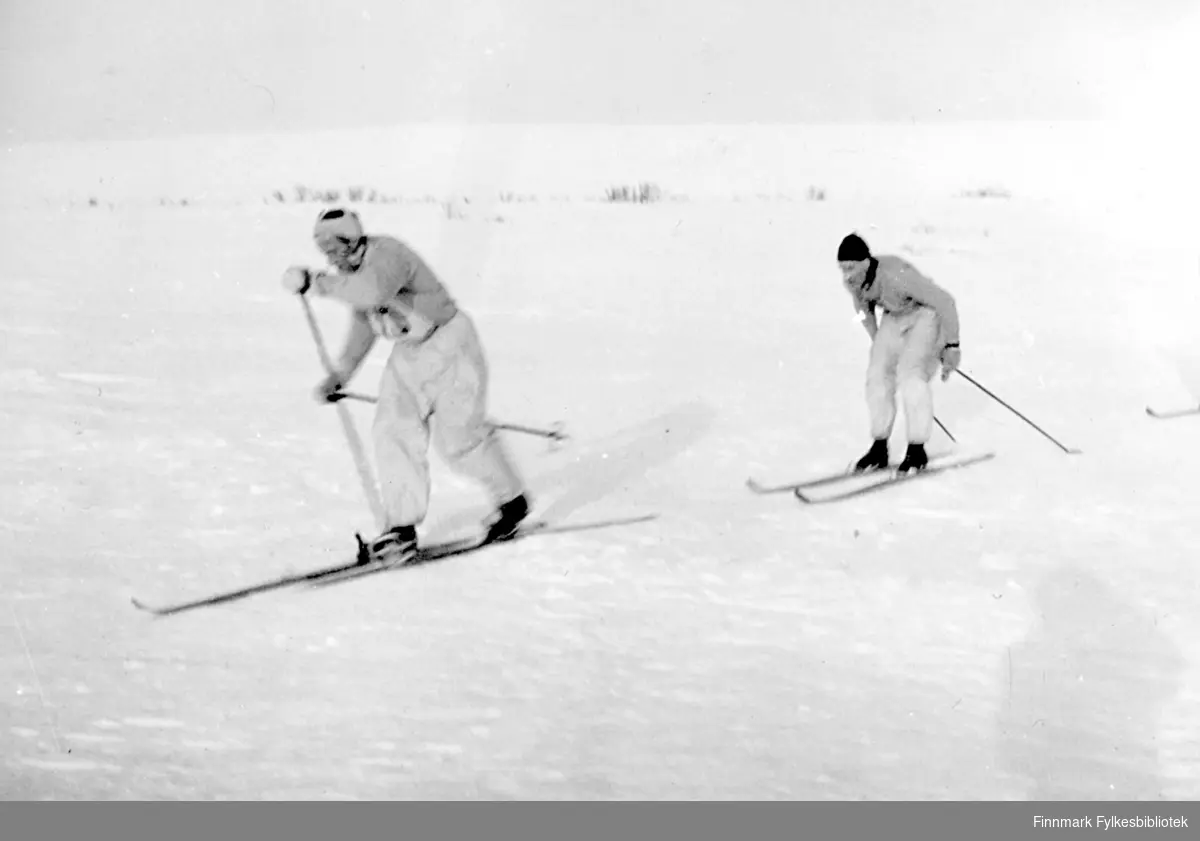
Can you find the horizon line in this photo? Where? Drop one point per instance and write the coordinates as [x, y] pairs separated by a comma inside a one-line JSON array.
[[574, 124]]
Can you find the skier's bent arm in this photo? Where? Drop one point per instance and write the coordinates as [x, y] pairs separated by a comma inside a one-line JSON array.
[[359, 341], [369, 288], [929, 294]]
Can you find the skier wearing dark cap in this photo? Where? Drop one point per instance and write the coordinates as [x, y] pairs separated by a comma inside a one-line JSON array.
[[917, 332]]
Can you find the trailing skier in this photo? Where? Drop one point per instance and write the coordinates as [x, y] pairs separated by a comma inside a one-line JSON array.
[[917, 332]]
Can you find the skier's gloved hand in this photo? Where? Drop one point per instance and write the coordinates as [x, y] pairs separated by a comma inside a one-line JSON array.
[[327, 389], [951, 359], [297, 279]]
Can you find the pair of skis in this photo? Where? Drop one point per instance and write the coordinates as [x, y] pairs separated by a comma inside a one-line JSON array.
[[1168, 414], [848, 484], [361, 566]]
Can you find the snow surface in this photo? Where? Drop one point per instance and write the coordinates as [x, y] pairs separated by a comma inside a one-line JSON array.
[[1025, 628]]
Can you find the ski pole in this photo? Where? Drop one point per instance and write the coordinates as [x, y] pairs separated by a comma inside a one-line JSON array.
[[357, 451], [943, 428], [556, 433], [978, 385]]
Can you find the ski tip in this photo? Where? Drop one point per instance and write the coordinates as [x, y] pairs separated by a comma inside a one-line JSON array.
[[1170, 414], [142, 606]]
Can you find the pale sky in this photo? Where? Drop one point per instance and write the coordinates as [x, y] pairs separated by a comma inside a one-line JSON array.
[[109, 69]]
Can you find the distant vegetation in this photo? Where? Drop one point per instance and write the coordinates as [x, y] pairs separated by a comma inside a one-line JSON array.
[[457, 206], [986, 193], [302, 194], [643, 193]]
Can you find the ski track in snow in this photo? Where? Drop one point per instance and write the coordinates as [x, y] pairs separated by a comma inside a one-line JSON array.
[[1025, 628]]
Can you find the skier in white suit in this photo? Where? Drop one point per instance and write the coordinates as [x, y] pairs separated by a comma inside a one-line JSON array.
[[918, 331], [436, 377]]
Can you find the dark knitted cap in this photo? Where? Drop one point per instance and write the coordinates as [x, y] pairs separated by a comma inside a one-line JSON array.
[[853, 248]]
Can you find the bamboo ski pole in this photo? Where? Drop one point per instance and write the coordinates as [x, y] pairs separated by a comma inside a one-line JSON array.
[[357, 451], [556, 433], [978, 385]]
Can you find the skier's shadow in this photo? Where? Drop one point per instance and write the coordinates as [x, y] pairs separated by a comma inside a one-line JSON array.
[[601, 468], [1084, 693]]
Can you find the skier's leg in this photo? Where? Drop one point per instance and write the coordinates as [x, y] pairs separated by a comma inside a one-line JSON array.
[[916, 366], [401, 437], [881, 378], [881, 394], [918, 363], [463, 434]]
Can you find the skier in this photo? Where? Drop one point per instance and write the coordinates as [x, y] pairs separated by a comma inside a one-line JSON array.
[[436, 372], [918, 330]]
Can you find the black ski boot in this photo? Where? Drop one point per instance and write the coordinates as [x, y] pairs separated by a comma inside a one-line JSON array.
[[394, 547], [914, 460], [508, 519], [875, 459]]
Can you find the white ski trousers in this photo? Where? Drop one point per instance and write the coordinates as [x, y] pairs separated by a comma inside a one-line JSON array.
[[438, 386], [904, 358]]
